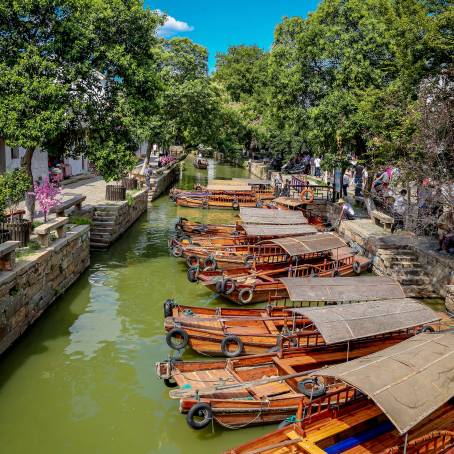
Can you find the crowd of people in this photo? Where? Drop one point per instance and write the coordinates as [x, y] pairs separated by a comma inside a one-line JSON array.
[[423, 207]]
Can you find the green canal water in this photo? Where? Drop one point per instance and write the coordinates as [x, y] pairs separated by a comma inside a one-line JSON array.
[[82, 379]]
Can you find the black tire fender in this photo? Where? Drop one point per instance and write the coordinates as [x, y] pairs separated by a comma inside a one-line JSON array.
[[232, 340], [220, 286], [199, 409], [193, 261], [174, 333], [229, 286], [168, 308], [357, 268], [192, 274], [170, 383], [209, 264], [177, 251], [426, 329], [243, 299], [318, 390]]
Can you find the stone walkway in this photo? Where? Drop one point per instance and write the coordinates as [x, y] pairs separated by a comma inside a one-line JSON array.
[[94, 189]]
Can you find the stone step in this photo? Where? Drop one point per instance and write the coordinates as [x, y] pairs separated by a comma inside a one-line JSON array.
[[104, 218], [394, 253], [100, 240], [97, 223], [419, 291], [406, 265], [404, 272], [98, 246], [100, 236], [415, 280], [106, 208], [101, 227]]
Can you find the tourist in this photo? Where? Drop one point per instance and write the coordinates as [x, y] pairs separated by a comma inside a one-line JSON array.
[[358, 180], [148, 172], [317, 163], [347, 210], [277, 185], [445, 226], [345, 183], [400, 207]]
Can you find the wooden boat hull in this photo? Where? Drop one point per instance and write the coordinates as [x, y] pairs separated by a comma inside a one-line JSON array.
[[257, 328], [197, 228], [193, 202]]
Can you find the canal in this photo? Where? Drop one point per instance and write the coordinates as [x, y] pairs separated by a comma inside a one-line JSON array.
[[82, 379]]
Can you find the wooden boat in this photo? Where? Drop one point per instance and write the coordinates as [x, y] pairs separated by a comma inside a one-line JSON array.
[[267, 388], [197, 228], [277, 252], [247, 216], [219, 201], [225, 194], [406, 408], [256, 330], [258, 286], [244, 235], [200, 163]]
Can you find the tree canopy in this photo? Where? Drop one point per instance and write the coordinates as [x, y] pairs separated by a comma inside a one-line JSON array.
[[94, 77]]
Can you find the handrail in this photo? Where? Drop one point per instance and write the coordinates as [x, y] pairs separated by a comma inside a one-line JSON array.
[[433, 442]]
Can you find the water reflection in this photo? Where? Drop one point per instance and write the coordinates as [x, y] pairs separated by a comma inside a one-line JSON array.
[[100, 323]]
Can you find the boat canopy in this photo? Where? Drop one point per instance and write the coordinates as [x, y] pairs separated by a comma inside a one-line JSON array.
[[349, 322], [260, 230], [289, 201], [341, 289], [408, 381], [276, 217], [228, 187], [301, 245]]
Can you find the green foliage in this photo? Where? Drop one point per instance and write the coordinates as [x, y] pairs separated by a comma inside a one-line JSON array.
[[78, 76], [13, 186], [80, 220], [130, 199]]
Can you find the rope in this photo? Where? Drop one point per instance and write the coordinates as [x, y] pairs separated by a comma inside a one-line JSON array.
[[241, 426]]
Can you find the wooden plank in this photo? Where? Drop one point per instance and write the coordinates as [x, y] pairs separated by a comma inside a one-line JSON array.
[[308, 446]]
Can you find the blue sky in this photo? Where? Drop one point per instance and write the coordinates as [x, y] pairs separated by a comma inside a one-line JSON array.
[[218, 24]]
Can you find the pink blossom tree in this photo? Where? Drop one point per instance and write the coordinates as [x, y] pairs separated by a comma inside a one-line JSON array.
[[47, 196]]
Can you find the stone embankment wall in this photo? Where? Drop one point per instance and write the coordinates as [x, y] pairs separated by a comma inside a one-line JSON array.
[[258, 169], [112, 219], [38, 279], [163, 181]]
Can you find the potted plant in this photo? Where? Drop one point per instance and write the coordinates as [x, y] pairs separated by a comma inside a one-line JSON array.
[[13, 187]]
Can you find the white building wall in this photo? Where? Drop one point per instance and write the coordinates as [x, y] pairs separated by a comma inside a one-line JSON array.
[[78, 166], [39, 162]]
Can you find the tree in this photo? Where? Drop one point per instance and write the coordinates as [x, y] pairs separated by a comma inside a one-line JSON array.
[[78, 77]]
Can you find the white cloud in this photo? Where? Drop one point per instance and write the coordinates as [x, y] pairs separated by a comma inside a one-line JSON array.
[[173, 26]]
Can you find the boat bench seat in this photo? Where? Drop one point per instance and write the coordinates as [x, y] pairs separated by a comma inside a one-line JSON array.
[[271, 389]]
